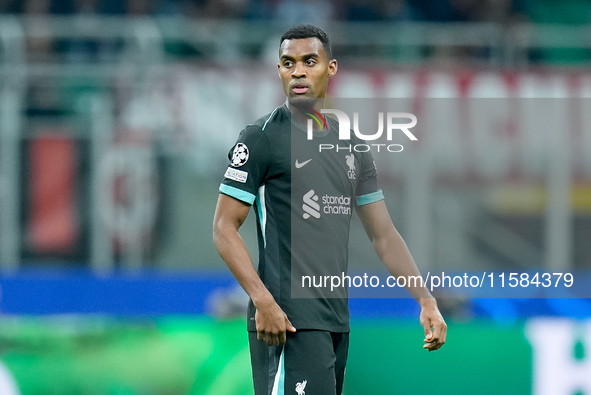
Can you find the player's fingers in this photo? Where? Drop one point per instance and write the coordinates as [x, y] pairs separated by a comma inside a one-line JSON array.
[[433, 346], [266, 337], [436, 332], [439, 331], [439, 337], [427, 329], [443, 336], [288, 325], [282, 337], [425, 322], [277, 338], [269, 339]]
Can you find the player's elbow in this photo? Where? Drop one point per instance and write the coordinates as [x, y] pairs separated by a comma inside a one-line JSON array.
[[218, 233], [386, 240], [223, 230], [380, 244]]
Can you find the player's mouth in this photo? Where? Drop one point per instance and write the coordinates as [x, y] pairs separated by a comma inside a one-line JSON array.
[[299, 88]]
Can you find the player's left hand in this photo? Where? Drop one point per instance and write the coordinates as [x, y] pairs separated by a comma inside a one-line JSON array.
[[433, 324]]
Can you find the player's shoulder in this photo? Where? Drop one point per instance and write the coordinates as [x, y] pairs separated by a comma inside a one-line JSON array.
[[261, 134], [269, 121]]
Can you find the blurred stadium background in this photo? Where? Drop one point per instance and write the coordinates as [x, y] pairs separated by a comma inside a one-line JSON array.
[[115, 121]]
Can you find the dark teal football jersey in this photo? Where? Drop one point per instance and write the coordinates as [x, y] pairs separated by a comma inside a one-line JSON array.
[[303, 198]]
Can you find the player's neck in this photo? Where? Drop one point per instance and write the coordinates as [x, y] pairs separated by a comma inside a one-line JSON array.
[[301, 114]]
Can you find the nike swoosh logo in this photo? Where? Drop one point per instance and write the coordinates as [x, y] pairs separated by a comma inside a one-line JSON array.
[[299, 165]]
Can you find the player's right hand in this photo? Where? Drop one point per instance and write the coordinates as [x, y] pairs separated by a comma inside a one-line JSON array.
[[272, 324]]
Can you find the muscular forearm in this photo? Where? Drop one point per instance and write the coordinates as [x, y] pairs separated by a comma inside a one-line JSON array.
[[395, 255], [270, 320], [231, 248]]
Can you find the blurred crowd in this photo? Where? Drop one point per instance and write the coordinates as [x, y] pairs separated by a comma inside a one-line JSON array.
[[319, 11], [505, 13]]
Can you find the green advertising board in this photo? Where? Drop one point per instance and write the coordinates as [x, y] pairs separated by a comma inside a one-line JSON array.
[[198, 355]]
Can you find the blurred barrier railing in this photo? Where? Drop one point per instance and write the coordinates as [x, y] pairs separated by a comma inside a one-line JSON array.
[[11, 102], [214, 40]]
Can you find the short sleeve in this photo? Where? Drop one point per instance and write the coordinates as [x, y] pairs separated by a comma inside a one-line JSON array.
[[367, 189], [248, 164]]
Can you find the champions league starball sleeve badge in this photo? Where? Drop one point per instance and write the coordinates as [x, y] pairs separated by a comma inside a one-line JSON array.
[[240, 155]]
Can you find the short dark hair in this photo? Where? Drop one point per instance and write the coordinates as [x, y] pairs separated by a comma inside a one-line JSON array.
[[308, 31]]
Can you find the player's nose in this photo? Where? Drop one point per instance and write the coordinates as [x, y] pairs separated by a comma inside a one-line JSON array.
[[299, 70]]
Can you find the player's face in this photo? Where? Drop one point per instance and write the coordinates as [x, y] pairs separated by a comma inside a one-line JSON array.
[[304, 69]]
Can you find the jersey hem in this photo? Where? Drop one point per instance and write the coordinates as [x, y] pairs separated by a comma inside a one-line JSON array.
[[313, 327]]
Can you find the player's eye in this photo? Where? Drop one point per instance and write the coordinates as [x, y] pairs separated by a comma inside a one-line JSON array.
[[310, 62], [288, 63]]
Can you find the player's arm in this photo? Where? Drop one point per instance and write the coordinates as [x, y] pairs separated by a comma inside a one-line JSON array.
[[395, 255], [271, 321]]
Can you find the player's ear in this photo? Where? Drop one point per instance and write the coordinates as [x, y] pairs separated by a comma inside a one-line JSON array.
[[332, 67]]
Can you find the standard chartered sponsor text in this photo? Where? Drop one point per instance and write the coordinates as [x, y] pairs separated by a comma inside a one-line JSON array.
[[336, 204]]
